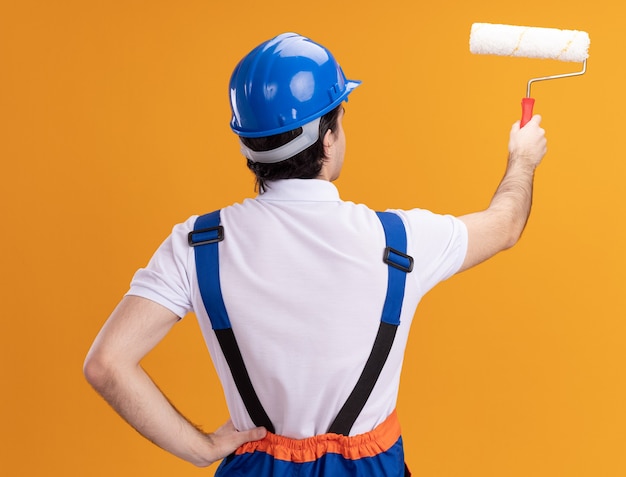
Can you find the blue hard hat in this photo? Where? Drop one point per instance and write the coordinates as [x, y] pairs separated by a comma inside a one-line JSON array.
[[285, 83]]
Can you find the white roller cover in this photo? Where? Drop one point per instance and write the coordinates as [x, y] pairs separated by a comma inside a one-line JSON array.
[[529, 42]]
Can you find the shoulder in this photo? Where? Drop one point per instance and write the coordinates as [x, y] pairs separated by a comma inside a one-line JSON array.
[[423, 219]]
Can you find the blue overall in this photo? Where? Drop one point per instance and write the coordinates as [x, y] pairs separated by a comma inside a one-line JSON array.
[[376, 453]]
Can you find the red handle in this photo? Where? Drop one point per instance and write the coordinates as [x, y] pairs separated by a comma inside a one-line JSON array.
[[527, 111]]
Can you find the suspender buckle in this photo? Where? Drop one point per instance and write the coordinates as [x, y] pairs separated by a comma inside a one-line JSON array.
[[396, 259], [205, 236]]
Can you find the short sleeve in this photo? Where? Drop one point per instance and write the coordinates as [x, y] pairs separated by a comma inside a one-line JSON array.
[[165, 280], [438, 244]]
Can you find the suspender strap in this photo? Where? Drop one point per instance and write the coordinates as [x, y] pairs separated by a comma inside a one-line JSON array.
[[205, 237], [207, 233], [399, 265], [365, 385], [230, 348]]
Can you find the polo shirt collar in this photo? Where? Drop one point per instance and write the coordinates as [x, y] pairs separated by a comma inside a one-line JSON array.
[[316, 190]]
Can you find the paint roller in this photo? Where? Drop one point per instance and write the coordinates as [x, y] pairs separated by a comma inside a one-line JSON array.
[[531, 42]]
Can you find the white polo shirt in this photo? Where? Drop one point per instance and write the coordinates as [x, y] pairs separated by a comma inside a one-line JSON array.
[[304, 283]]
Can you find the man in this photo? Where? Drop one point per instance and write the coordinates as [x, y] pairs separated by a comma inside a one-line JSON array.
[[292, 316]]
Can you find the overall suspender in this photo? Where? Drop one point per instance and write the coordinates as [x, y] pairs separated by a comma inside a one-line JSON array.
[[399, 264], [205, 238]]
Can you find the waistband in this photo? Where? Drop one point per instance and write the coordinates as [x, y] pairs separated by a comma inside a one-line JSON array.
[[370, 444]]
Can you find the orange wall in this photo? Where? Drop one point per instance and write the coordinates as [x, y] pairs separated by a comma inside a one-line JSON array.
[[114, 126]]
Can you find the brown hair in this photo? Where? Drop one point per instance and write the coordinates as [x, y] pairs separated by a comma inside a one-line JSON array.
[[304, 165]]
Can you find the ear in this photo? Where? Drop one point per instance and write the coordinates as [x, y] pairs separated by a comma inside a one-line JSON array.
[[329, 139]]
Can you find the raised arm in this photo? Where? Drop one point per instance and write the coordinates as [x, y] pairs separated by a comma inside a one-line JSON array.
[[500, 226], [113, 368]]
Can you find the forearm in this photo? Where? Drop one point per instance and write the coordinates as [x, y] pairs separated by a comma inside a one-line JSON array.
[[501, 225], [512, 201], [135, 397], [112, 368]]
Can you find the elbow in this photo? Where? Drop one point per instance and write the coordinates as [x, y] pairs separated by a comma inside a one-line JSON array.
[[511, 240], [512, 234], [97, 371]]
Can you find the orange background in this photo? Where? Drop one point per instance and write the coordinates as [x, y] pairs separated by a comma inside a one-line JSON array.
[[114, 126]]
